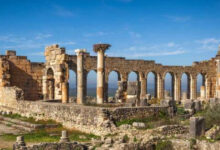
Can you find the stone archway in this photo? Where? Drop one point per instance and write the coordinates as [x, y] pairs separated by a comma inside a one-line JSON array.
[[50, 84]]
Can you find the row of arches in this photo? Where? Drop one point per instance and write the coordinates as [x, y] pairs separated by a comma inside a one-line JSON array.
[[151, 83]]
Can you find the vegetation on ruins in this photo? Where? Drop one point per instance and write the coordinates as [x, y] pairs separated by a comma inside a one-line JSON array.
[[164, 145]]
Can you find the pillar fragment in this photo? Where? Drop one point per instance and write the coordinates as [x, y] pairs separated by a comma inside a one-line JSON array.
[[160, 87], [193, 88], [65, 92], [143, 87], [80, 77], [100, 50], [177, 88]]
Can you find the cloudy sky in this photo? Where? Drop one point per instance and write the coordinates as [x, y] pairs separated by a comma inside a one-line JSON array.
[[171, 32]]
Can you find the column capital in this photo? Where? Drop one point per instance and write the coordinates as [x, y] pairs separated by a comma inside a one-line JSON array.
[[80, 51], [101, 47]]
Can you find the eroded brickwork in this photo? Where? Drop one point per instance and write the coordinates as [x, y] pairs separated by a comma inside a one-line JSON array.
[[20, 72]]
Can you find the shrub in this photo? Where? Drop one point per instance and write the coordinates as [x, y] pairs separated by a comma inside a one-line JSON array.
[[164, 145], [212, 116]]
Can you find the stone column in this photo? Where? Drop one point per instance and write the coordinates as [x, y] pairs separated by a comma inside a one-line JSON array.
[[65, 92], [100, 50], [207, 88], [143, 86], [177, 88], [160, 87], [202, 92], [80, 77], [44, 87], [193, 88]]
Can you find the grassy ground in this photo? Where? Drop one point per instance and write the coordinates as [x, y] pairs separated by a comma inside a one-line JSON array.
[[42, 135], [50, 135], [30, 119], [159, 120]]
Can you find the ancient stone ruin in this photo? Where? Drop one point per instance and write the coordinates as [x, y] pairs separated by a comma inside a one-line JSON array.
[[49, 80]]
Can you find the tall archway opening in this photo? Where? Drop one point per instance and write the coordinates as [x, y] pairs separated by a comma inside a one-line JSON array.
[[185, 86], [200, 86], [152, 84], [72, 84], [91, 84], [113, 79], [169, 85], [50, 84]]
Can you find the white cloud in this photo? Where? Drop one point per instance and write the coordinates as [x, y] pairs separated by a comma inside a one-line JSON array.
[[100, 33], [43, 36], [171, 44], [178, 18], [210, 44], [208, 41], [67, 43], [165, 53]]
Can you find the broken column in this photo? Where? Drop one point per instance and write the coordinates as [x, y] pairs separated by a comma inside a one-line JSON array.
[[65, 92], [184, 96], [202, 92], [100, 50], [160, 87], [64, 137], [177, 87], [132, 93], [80, 75], [143, 100], [197, 127], [193, 88], [19, 143]]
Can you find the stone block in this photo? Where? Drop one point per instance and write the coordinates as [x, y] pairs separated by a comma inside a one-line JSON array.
[[197, 126], [213, 102], [143, 102], [198, 105], [139, 125], [148, 96], [213, 132], [167, 103], [132, 88], [188, 104]]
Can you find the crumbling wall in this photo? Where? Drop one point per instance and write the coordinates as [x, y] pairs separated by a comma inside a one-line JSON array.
[[9, 97], [20, 72]]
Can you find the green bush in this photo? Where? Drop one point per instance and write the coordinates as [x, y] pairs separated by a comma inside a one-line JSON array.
[[164, 145], [212, 116]]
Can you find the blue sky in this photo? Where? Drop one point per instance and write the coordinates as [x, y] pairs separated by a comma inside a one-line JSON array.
[[171, 32]]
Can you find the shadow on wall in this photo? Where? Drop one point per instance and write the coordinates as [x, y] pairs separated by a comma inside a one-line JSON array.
[[25, 81]]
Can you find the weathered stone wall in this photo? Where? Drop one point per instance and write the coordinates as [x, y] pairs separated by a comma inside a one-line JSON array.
[[53, 146], [97, 120], [123, 113], [19, 71]]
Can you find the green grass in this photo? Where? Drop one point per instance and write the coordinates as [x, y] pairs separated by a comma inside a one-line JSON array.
[[44, 136], [151, 121], [29, 119], [164, 145]]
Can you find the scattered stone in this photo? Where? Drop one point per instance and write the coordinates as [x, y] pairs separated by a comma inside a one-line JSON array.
[[198, 105], [213, 132], [197, 126], [139, 125], [64, 138], [125, 126]]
